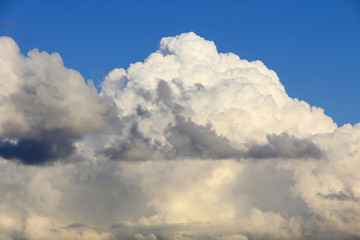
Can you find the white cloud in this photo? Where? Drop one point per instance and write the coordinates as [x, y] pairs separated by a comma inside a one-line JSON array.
[[210, 147], [209, 87], [40, 98], [41, 94]]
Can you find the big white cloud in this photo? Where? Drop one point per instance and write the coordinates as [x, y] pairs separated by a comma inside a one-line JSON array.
[[209, 146]]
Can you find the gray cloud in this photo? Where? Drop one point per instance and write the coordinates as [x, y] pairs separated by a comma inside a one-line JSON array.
[[142, 112], [134, 147], [188, 139], [76, 225], [164, 93], [284, 146], [340, 196], [51, 146], [191, 140]]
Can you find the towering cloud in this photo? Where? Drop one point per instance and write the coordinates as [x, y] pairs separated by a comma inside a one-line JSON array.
[[189, 144], [239, 102]]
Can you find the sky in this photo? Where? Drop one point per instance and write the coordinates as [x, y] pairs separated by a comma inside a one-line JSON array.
[[313, 46], [179, 120]]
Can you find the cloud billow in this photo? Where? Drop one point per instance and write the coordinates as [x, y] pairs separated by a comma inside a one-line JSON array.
[[188, 144], [46, 106]]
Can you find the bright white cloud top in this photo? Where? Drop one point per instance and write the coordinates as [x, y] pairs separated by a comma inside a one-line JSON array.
[[189, 144]]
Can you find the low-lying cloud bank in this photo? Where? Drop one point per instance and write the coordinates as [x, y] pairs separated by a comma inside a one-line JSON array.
[[189, 144]]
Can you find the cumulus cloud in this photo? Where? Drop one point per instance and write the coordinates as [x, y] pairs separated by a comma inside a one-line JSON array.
[[188, 144], [45, 106], [242, 101]]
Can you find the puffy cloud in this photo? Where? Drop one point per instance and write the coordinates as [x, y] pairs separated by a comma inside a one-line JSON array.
[[189, 144], [242, 101], [45, 106], [188, 99]]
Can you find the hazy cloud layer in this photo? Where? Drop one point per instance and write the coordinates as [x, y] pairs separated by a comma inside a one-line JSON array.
[[189, 144]]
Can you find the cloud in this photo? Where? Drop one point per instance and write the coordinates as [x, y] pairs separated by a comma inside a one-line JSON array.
[[45, 106], [134, 147], [188, 144], [242, 101], [285, 146], [191, 140], [51, 146], [341, 196], [76, 225]]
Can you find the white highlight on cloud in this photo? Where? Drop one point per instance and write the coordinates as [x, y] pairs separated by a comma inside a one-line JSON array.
[[39, 94], [241, 100], [209, 147]]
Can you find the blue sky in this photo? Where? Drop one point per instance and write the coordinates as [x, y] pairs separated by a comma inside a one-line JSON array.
[[314, 46]]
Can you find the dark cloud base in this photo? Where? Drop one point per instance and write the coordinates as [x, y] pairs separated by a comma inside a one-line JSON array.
[[51, 146]]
